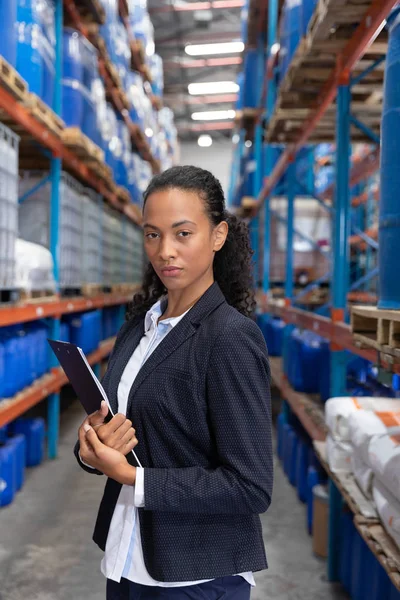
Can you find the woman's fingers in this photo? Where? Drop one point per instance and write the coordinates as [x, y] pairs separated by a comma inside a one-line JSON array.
[[128, 442], [130, 445], [91, 438]]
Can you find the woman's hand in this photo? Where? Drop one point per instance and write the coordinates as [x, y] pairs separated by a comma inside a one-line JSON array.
[[103, 458], [117, 433]]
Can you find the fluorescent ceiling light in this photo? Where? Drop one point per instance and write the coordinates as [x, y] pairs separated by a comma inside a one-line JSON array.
[[213, 87], [213, 115], [204, 141], [219, 48], [248, 143]]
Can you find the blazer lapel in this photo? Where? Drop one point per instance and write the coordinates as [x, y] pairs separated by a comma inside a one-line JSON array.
[[210, 300]]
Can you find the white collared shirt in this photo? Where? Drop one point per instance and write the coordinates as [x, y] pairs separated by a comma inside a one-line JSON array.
[[124, 554]]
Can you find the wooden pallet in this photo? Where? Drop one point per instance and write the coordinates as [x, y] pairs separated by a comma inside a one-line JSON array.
[[123, 194], [313, 63], [382, 546], [81, 145], [92, 289], [12, 81], [44, 114], [379, 329], [35, 295]]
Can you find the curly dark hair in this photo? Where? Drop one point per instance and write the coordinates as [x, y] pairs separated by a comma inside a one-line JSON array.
[[233, 268]]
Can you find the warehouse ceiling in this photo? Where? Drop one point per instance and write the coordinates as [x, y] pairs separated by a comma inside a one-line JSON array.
[[178, 23]]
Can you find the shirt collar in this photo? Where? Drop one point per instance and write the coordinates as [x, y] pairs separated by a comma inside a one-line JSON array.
[[155, 312]]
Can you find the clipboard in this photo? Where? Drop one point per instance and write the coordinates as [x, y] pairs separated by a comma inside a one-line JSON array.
[[87, 387]]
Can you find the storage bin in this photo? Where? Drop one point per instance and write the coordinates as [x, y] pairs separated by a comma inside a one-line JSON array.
[[348, 532], [72, 102], [293, 445], [19, 443], [85, 330], [7, 474], [314, 478], [34, 432], [302, 469], [281, 420], [362, 566], [8, 38]]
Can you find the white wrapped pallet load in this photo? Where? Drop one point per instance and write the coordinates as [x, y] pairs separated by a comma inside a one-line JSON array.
[[384, 458], [363, 425], [388, 508], [91, 237], [362, 472], [34, 267], [9, 143], [338, 454], [338, 411], [34, 222]]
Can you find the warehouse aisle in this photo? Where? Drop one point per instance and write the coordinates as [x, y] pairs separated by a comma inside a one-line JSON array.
[[46, 551]]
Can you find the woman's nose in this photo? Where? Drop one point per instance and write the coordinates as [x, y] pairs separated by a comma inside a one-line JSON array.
[[167, 250]]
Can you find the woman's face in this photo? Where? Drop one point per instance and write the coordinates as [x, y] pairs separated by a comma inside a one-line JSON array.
[[179, 239]]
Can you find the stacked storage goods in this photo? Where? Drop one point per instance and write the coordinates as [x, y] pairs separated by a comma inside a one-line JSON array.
[[36, 46], [108, 220], [8, 205], [91, 237], [133, 254], [34, 270], [118, 250], [34, 222], [8, 32], [83, 91], [166, 122], [157, 75]]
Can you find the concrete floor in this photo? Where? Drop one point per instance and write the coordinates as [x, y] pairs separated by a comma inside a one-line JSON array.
[[46, 551]]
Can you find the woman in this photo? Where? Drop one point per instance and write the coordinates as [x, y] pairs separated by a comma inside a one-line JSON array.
[[190, 370]]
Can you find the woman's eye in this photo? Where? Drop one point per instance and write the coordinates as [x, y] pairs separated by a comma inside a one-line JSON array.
[[185, 233], [150, 236]]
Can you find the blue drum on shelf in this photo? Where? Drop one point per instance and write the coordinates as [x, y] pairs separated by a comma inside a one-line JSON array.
[[72, 55], [8, 459], [313, 478], [348, 532], [281, 420], [251, 84], [302, 469], [389, 212], [72, 103], [362, 567], [292, 467], [8, 38], [49, 73], [11, 383], [29, 55], [34, 432], [19, 443]]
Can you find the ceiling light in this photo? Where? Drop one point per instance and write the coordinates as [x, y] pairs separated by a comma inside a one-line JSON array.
[[213, 87], [235, 138], [219, 48], [204, 141], [213, 115], [248, 143]]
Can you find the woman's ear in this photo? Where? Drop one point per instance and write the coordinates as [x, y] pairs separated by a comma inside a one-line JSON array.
[[220, 235]]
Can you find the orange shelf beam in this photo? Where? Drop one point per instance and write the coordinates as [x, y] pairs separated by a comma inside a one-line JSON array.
[[31, 311], [336, 332], [11, 409], [363, 36]]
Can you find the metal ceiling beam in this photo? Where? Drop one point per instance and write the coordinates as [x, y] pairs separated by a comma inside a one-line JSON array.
[[205, 62], [195, 6], [196, 100], [205, 37], [212, 126]]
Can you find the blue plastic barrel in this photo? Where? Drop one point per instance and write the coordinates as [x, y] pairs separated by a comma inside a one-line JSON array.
[[380, 582], [34, 432], [72, 103], [275, 329], [240, 96], [281, 420], [29, 55], [325, 371], [394, 593], [286, 449], [302, 469], [7, 474], [307, 11], [49, 73], [362, 567], [389, 211], [8, 38], [251, 87], [11, 382], [19, 443], [3, 434], [348, 532], [2, 372], [293, 446], [313, 478], [72, 55]]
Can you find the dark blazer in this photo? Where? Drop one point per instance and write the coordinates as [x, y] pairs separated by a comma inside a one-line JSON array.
[[201, 409]]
